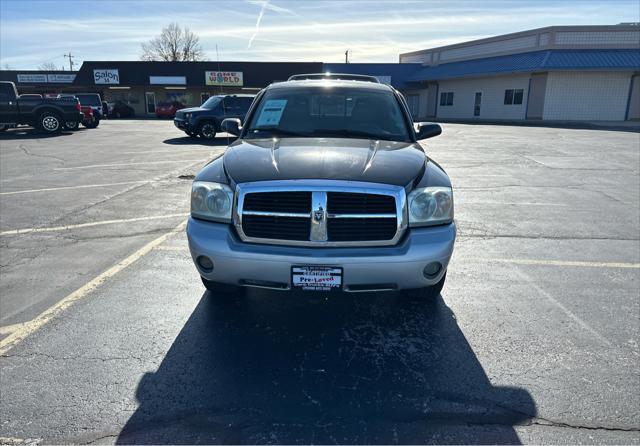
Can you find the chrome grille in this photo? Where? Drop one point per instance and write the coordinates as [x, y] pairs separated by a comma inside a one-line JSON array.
[[320, 213]]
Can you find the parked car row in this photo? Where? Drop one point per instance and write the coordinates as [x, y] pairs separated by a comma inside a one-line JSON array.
[[46, 114]]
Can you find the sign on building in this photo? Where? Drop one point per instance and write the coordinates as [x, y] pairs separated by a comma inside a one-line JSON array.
[[32, 78], [226, 78], [61, 78], [167, 80], [106, 76]]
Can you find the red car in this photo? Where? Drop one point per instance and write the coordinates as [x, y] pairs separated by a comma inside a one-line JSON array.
[[88, 119], [168, 109]]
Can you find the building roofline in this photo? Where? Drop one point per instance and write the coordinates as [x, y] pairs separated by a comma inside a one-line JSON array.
[[553, 28]]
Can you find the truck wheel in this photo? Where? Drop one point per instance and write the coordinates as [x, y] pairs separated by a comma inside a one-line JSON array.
[[219, 289], [71, 125], [49, 122], [93, 124], [427, 293], [207, 130]]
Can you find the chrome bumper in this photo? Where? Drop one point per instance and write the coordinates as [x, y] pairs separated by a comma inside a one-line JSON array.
[[269, 266]]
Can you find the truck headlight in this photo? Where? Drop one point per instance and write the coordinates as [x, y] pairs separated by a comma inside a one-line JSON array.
[[187, 116], [211, 201], [430, 206]]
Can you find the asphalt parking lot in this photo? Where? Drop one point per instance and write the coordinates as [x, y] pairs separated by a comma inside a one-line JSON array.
[[107, 335]]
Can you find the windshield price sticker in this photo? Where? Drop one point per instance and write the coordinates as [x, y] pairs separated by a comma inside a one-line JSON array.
[[271, 112], [316, 278]]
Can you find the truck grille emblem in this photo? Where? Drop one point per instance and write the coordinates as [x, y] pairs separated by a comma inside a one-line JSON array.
[[318, 215]]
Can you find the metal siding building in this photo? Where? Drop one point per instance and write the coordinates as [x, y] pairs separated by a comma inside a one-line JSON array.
[[558, 73]]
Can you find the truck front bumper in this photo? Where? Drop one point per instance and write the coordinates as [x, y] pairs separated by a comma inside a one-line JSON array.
[[364, 269], [182, 124]]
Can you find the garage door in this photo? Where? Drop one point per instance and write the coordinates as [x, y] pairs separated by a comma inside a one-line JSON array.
[[580, 96]]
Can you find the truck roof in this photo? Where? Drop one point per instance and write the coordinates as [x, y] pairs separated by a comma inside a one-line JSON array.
[[364, 85]]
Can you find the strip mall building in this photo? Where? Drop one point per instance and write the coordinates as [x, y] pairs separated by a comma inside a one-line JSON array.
[[560, 73]]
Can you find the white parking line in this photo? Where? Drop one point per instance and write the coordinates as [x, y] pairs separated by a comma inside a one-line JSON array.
[[52, 189], [551, 262], [92, 166], [568, 312], [34, 325], [87, 225]]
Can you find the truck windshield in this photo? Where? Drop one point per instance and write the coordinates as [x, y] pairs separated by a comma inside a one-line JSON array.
[[211, 103], [343, 112]]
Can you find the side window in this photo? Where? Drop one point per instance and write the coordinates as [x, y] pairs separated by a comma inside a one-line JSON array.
[[5, 92], [230, 105], [513, 96], [245, 104], [446, 98]]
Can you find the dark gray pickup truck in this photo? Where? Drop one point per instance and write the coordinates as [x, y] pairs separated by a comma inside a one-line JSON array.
[[47, 115], [325, 189]]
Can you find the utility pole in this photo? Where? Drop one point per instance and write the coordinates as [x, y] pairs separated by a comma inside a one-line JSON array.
[[346, 56], [70, 60]]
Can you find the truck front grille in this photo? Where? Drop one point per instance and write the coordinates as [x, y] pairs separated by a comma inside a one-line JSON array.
[[314, 213]]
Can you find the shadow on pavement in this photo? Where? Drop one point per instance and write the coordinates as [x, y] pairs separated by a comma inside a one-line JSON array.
[[31, 133], [281, 368], [187, 140]]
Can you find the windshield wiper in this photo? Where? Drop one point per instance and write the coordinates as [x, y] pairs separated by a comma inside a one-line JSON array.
[[275, 131]]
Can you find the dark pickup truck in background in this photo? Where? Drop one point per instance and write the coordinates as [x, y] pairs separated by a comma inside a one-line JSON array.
[[47, 115]]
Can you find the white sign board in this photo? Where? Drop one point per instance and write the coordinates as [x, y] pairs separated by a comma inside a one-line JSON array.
[[32, 78], [61, 78], [106, 76], [227, 78], [167, 80]]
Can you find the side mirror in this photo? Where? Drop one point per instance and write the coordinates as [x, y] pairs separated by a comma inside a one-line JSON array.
[[426, 130], [231, 125]]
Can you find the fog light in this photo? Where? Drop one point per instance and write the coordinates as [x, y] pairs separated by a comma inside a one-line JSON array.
[[432, 269], [205, 263]]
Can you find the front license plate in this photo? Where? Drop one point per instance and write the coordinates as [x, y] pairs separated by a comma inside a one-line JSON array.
[[316, 278]]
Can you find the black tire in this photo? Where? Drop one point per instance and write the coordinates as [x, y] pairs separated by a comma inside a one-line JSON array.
[[427, 293], [217, 288], [71, 125], [207, 130], [93, 124], [49, 122]]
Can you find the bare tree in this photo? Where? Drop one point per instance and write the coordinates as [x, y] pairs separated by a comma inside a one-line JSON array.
[[48, 66], [174, 44]]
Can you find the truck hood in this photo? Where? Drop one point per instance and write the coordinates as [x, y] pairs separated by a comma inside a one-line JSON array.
[[386, 162], [189, 110]]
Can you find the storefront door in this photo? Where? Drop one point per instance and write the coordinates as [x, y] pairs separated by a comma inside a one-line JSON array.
[[151, 102]]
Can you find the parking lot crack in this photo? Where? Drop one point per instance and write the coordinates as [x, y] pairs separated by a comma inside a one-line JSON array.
[[35, 155]]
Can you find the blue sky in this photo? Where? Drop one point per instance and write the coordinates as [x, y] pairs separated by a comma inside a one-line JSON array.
[[34, 32]]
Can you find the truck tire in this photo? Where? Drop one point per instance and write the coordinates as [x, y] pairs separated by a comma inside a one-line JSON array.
[[427, 293], [71, 125], [207, 130], [93, 124], [49, 122], [218, 289]]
